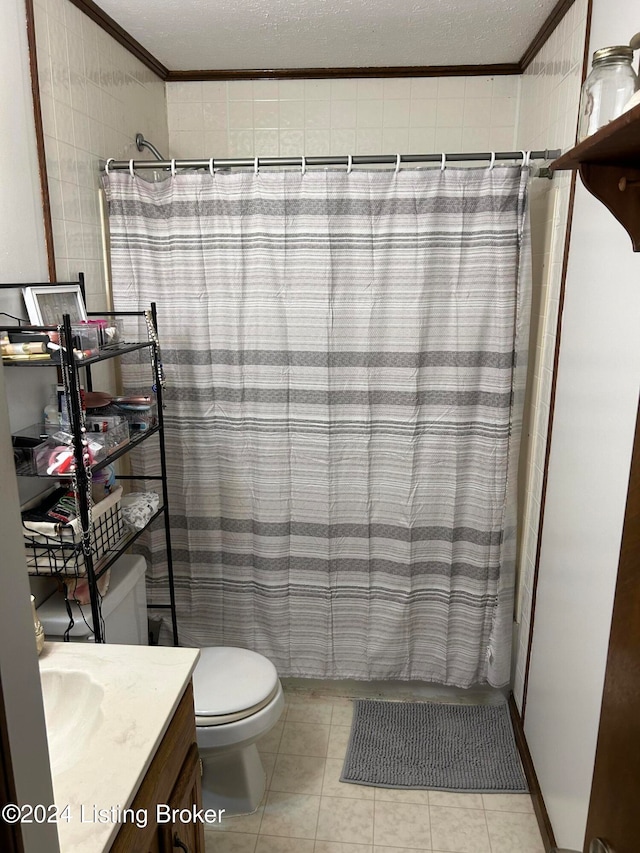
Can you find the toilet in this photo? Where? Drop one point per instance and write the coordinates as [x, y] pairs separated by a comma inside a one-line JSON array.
[[237, 694], [238, 699], [124, 607]]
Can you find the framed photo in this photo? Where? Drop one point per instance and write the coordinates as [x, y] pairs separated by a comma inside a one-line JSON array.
[[46, 305]]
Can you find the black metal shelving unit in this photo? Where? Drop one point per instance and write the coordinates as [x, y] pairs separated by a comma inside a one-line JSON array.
[[73, 367]]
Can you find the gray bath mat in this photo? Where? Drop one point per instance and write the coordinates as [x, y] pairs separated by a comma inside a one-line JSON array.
[[432, 745]]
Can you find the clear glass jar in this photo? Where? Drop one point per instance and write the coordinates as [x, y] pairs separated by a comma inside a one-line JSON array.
[[607, 89]]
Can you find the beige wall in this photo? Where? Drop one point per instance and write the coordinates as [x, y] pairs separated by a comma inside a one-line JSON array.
[[315, 117], [23, 259], [593, 428], [549, 99], [95, 97]]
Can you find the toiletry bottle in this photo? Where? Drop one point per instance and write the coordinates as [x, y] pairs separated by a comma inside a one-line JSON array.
[[51, 410], [64, 411]]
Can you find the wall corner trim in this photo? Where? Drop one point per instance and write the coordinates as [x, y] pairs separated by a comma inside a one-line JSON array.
[[122, 36], [539, 808], [555, 16]]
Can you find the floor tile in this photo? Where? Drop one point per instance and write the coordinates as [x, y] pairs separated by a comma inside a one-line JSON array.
[[333, 787], [304, 739], [403, 795], [338, 740], [308, 809], [268, 760], [291, 815], [272, 844], [342, 713], [508, 803], [229, 842], [460, 830], [402, 824], [378, 849], [309, 711], [345, 820], [249, 823], [271, 741], [298, 774], [452, 800], [510, 831]]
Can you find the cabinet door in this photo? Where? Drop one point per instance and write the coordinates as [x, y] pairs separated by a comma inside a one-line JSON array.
[[188, 836]]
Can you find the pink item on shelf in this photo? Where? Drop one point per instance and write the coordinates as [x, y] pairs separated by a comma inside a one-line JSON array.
[[78, 588], [60, 461], [100, 325]]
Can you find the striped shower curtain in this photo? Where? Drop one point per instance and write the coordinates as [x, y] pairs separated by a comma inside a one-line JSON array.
[[345, 356]]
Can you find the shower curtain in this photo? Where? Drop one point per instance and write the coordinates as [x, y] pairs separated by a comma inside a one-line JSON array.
[[345, 356]]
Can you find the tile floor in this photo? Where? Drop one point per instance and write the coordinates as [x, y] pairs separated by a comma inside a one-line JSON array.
[[306, 809]]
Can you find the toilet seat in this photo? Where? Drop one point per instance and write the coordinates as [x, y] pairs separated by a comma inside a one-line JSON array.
[[231, 684]]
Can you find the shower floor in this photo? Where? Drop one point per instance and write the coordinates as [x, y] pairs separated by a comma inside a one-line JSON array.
[[306, 809]]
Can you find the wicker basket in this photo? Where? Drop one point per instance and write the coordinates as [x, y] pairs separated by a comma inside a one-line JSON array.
[[54, 548]]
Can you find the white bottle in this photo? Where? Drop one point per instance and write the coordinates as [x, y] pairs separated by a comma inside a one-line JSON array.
[[51, 410]]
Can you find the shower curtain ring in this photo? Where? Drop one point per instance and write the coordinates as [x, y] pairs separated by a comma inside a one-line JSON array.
[[211, 167], [106, 165], [131, 172], [173, 167], [398, 159], [493, 161], [443, 162], [526, 157], [527, 160], [349, 163], [303, 165], [256, 166]]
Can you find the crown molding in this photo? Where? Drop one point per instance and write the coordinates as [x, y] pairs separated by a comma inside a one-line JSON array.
[[122, 36], [367, 71], [555, 16]]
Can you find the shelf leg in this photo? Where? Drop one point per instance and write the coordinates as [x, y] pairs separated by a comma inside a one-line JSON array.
[[165, 490]]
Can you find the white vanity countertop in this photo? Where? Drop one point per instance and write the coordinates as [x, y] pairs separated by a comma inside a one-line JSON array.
[[142, 688]]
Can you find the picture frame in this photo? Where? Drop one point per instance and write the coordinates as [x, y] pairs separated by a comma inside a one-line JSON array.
[[46, 305]]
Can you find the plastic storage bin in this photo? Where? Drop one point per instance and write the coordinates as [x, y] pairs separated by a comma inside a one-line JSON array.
[[139, 417], [55, 457], [26, 444], [111, 432]]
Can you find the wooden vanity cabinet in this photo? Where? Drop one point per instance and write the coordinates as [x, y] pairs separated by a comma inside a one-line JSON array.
[[173, 779]]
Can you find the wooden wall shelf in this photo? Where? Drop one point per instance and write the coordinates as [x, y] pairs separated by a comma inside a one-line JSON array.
[[609, 167]]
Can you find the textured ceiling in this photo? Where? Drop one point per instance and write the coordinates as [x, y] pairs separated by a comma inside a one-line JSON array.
[[241, 34]]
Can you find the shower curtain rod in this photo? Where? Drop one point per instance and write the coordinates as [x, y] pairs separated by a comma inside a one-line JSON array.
[[396, 160]]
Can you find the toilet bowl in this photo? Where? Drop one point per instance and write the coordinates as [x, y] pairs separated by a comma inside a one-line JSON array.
[[238, 698]]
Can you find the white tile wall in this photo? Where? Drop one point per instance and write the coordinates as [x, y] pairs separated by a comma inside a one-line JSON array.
[[345, 116], [550, 94], [95, 96]]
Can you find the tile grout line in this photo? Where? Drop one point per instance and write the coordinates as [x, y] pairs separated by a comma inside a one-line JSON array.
[[315, 834], [430, 821], [486, 823]]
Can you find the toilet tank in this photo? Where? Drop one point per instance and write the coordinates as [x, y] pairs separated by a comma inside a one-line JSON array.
[[124, 607]]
